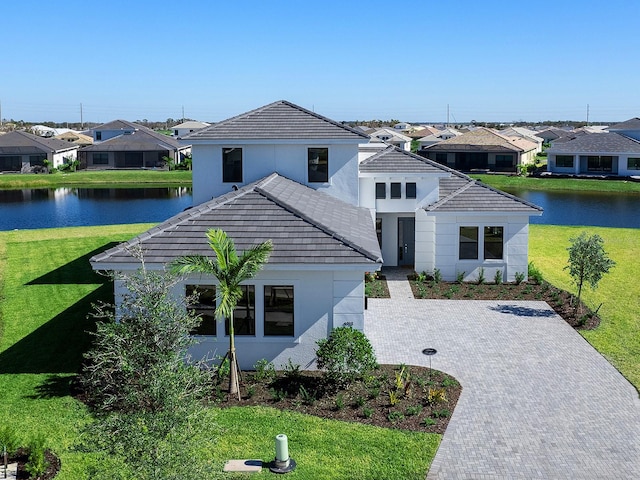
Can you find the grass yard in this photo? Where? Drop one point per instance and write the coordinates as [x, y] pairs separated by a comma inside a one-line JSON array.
[[97, 178], [618, 336], [549, 184], [46, 289]]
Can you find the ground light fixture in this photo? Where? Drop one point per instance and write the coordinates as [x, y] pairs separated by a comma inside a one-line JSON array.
[[429, 352], [282, 463]]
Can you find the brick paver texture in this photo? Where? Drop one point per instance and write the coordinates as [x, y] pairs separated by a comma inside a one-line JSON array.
[[538, 402]]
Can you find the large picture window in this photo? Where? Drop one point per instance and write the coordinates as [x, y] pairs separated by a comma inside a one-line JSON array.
[[504, 161], [468, 243], [101, 158], [318, 165], [493, 242], [244, 315], [232, 165], [202, 302], [633, 163], [278, 310], [564, 161], [599, 163]]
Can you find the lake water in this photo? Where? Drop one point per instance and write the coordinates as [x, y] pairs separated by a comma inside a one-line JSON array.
[[66, 207]]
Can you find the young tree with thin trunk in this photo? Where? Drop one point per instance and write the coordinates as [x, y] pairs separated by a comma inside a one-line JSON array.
[[231, 270], [588, 262]]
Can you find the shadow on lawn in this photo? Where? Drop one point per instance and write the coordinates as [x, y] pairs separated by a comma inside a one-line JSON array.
[[77, 271], [58, 345]]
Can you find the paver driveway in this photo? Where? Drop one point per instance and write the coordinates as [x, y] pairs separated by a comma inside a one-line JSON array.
[[538, 402]]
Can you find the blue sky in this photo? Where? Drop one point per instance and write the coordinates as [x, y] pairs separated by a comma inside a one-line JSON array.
[[488, 60]]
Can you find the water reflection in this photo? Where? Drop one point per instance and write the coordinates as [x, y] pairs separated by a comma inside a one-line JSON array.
[[64, 207]]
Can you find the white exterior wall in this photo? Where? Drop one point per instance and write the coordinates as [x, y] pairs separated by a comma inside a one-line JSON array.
[[425, 242], [580, 167], [287, 159], [515, 252], [323, 299], [58, 158]]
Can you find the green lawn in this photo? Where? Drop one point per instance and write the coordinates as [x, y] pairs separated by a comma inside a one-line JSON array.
[[97, 178], [539, 183], [618, 337], [47, 287]]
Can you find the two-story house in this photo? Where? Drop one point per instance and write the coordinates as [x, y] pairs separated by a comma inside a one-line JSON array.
[[333, 208]]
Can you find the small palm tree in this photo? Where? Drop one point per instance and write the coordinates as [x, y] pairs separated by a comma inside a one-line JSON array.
[[230, 270]]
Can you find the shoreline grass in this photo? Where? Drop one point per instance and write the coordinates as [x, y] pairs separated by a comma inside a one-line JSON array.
[[97, 179], [505, 182]]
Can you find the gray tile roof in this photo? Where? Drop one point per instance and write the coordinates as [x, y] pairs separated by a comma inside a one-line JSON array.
[[596, 143], [460, 193], [479, 140], [305, 226], [118, 125], [395, 160], [23, 143], [631, 124], [138, 141], [278, 120]]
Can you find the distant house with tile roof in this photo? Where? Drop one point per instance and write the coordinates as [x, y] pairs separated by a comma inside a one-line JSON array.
[[630, 128], [75, 138], [187, 127], [482, 149], [391, 136], [123, 144], [608, 154], [437, 137], [335, 207], [22, 152]]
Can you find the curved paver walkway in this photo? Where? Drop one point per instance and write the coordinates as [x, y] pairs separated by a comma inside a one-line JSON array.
[[538, 402]]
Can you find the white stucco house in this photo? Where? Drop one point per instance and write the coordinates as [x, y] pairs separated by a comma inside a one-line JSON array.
[[335, 206], [187, 127], [22, 152]]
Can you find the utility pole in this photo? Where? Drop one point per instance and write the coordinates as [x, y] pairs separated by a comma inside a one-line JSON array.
[[182, 113], [81, 119], [587, 114], [0, 113], [447, 114]]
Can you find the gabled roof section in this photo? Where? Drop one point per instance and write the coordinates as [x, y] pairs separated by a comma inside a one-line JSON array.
[[631, 124], [460, 193], [280, 120], [118, 125], [480, 139], [597, 143], [19, 142], [305, 226], [395, 160], [191, 124], [139, 141]]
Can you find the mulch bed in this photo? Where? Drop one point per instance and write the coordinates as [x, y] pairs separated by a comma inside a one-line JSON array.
[[367, 402], [22, 457]]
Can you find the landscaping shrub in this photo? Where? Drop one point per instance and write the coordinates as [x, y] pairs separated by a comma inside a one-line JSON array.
[[347, 355], [37, 464], [8, 439], [534, 273]]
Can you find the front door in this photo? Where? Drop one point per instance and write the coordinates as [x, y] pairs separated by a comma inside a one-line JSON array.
[[406, 240]]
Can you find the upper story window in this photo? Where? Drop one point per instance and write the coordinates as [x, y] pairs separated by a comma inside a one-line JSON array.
[[396, 190], [381, 190], [98, 135], [410, 190], [318, 165], [232, 164], [278, 310]]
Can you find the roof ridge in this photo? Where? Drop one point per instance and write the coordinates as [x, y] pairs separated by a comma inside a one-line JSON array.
[[320, 225]]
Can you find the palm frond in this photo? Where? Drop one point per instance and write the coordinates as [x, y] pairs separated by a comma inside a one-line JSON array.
[[192, 264]]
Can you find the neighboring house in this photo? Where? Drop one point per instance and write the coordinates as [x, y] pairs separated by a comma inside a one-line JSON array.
[[334, 209], [187, 127], [438, 137], [550, 134], [75, 138], [482, 149], [630, 128], [49, 132], [22, 152], [596, 154], [122, 144], [403, 126], [527, 134], [391, 137]]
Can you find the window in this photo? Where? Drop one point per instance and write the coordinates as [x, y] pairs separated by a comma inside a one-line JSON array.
[[381, 190], [202, 300], [37, 160], [244, 315], [98, 135], [468, 243], [318, 165], [564, 161], [395, 190], [411, 190], [175, 133], [278, 310], [633, 163], [493, 242], [504, 161], [232, 165], [441, 158], [101, 159], [599, 164], [11, 163]]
